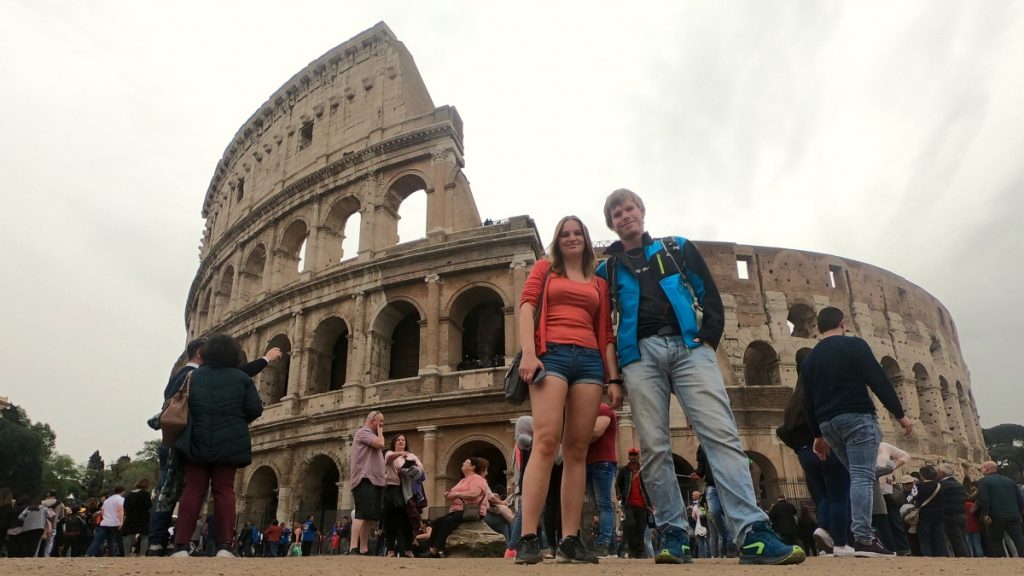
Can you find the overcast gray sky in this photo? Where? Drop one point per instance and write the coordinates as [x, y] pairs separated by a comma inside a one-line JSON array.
[[886, 132]]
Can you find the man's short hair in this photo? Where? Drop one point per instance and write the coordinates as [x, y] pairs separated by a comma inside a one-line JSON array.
[[194, 346], [947, 469], [829, 319], [928, 472], [617, 198]]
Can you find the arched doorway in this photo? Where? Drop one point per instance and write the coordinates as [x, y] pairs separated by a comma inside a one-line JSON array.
[[761, 365], [477, 334], [764, 477], [275, 376], [318, 492], [496, 470], [329, 355], [261, 495], [396, 342]]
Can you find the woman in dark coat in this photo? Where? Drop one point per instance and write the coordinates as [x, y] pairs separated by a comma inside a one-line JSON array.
[[222, 403], [137, 504]]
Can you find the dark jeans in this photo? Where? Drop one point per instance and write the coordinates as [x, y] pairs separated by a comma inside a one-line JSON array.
[[955, 525], [829, 484], [633, 527], [899, 534], [995, 534], [443, 527], [932, 538], [113, 537]]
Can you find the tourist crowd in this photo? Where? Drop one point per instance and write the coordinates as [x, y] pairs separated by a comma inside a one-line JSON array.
[[576, 367]]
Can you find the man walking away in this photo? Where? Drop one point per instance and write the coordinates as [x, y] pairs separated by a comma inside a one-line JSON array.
[[837, 375], [953, 497]]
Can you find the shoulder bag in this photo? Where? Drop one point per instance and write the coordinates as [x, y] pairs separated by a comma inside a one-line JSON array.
[[174, 416], [912, 515], [517, 389]]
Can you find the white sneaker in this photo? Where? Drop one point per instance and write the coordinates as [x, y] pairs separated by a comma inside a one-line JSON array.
[[843, 551], [225, 553], [822, 539], [180, 554]]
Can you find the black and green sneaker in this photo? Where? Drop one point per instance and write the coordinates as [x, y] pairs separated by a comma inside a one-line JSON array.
[[675, 548]]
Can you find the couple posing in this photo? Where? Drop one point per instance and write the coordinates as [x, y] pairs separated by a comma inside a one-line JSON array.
[[670, 319]]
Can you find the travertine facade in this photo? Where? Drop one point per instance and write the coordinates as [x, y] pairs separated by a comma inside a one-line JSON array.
[[400, 326]]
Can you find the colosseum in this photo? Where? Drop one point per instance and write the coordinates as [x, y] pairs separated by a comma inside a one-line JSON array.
[[301, 251]]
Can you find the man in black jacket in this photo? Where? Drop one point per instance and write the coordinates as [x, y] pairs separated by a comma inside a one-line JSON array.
[[171, 478], [633, 499], [837, 375], [952, 499], [1001, 506]]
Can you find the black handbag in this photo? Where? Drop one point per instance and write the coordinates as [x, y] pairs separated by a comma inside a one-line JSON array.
[[517, 389]]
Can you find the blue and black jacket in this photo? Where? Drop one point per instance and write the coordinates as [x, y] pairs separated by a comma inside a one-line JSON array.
[[627, 295]]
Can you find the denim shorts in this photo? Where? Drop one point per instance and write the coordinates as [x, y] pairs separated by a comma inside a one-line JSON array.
[[572, 363]]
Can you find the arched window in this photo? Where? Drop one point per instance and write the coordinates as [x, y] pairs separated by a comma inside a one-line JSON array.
[[802, 321], [396, 342], [293, 242], [408, 219], [275, 376], [329, 355], [341, 230], [477, 335], [761, 365], [250, 279], [227, 281]]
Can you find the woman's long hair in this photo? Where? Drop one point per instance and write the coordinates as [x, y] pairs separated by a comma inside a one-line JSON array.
[[555, 252]]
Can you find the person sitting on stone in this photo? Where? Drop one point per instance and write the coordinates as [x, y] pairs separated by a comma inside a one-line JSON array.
[[470, 491]]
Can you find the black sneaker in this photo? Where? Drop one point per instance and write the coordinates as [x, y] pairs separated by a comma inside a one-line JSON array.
[[572, 550], [528, 551], [872, 550]]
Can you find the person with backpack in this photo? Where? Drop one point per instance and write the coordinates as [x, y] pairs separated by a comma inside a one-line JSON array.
[[671, 319]]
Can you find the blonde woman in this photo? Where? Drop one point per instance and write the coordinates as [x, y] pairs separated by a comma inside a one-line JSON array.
[[569, 361]]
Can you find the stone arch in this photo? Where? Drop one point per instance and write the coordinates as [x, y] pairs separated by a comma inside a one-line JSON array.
[[318, 488], [398, 190], [476, 335], [223, 294], [954, 420], [204, 319], [761, 365], [764, 476], [929, 405], [329, 355], [967, 415], [905, 389], [477, 445], [396, 341], [290, 250], [335, 230], [683, 469], [802, 321], [250, 277], [275, 377], [261, 493]]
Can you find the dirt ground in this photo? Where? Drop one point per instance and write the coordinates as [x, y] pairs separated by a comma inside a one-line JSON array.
[[358, 566]]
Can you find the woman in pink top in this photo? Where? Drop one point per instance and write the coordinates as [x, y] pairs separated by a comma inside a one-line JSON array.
[[470, 491], [569, 360]]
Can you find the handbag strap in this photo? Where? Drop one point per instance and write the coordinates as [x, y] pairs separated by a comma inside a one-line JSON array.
[[186, 384], [537, 310], [938, 488]]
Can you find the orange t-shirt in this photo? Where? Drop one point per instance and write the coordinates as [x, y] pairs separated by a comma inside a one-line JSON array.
[[571, 309]]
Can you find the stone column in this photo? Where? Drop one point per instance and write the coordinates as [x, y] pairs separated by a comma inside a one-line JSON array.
[[776, 310], [624, 434], [517, 277], [432, 336], [433, 468], [296, 363], [313, 241], [442, 161], [285, 510]]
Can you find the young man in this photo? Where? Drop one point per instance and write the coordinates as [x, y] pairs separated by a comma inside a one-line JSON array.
[[670, 321], [837, 375], [634, 502]]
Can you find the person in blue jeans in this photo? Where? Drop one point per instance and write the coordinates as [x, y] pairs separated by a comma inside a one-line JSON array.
[[602, 466], [670, 322], [837, 375]]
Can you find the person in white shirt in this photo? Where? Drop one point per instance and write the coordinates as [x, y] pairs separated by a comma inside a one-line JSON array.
[[110, 526]]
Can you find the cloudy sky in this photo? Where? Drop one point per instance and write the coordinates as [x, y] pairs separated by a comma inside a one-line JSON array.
[[886, 132]]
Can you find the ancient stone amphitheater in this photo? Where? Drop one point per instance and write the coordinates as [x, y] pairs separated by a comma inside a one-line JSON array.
[[301, 251]]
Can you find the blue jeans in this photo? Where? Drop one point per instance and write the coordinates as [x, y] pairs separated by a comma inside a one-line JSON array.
[[931, 536], [112, 534], [855, 439], [975, 545], [668, 367], [829, 484], [600, 479], [716, 517]]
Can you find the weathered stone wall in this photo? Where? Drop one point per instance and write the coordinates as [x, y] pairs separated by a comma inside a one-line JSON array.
[[413, 328]]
